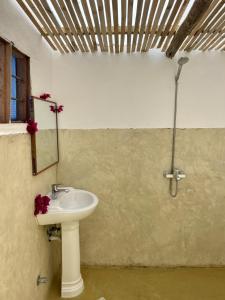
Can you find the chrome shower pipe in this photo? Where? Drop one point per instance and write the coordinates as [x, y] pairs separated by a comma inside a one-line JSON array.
[[175, 175]]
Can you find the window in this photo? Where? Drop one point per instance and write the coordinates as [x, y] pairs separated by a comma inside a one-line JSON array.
[[19, 86], [14, 84], [13, 110]]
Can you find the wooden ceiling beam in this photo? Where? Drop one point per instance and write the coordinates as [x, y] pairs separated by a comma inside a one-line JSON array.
[[137, 22], [212, 37], [175, 25], [198, 9], [115, 20], [149, 23], [123, 24], [215, 43], [162, 23], [71, 24], [56, 24], [205, 38], [46, 24], [155, 24], [101, 14], [143, 24], [66, 25], [221, 45], [120, 31], [205, 20], [169, 22], [82, 22], [51, 29], [90, 24], [212, 23], [129, 24], [109, 24], [33, 20], [97, 26]]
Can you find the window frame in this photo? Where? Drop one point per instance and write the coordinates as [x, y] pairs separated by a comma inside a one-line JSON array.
[[5, 80], [7, 51]]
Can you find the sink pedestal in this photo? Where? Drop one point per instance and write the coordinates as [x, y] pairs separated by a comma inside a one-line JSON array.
[[72, 282], [68, 209]]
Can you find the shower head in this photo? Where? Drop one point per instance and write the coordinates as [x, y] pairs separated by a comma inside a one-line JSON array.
[[183, 60]]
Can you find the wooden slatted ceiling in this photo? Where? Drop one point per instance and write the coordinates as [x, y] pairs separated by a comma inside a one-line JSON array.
[[125, 25]]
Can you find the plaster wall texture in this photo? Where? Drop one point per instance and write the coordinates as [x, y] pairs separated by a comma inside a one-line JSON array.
[[137, 222], [25, 250]]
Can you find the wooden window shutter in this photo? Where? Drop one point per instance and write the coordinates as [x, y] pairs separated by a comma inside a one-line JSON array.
[[5, 80]]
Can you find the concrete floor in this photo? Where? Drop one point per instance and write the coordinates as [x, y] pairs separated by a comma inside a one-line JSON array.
[[150, 284]]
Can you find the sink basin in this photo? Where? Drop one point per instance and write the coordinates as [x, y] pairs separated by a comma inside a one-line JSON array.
[[69, 206], [68, 209]]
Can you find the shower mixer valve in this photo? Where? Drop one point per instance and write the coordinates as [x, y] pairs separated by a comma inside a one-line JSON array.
[[177, 174]]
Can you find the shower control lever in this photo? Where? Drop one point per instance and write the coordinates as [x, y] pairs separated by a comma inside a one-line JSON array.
[[167, 175]]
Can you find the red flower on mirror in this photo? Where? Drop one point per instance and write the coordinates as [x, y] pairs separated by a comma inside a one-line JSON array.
[[31, 127], [54, 108], [60, 108], [45, 96]]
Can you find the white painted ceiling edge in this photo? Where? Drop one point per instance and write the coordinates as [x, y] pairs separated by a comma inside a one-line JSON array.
[[137, 90]]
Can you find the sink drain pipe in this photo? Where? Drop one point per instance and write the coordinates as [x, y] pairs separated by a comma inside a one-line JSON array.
[[54, 233]]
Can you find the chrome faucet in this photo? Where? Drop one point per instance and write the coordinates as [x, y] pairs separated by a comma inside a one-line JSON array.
[[56, 188]]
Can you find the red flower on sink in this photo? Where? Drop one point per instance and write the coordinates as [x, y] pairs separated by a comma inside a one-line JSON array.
[[41, 204]]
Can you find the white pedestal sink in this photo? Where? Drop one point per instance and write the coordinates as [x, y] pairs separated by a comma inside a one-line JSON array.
[[68, 209]]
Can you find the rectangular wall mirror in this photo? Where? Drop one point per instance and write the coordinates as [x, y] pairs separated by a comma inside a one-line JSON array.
[[44, 143]]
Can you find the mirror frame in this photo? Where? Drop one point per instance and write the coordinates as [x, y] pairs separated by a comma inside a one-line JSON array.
[[33, 137]]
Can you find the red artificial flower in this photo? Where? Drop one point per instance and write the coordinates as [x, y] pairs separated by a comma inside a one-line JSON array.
[[46, 200], [31, 127], [37, 202], [44, 210], [52, 108], [41, 204], [45, 96], [60, 108]]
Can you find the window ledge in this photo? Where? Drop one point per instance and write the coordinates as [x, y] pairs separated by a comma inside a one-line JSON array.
[[13, 128]]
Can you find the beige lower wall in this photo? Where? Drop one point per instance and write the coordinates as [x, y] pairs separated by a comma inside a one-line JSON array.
[[25, 251], [137, 222]]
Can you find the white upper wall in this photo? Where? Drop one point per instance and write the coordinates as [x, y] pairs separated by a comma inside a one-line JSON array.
[[15, 26], [119, 91], [137, 90]]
